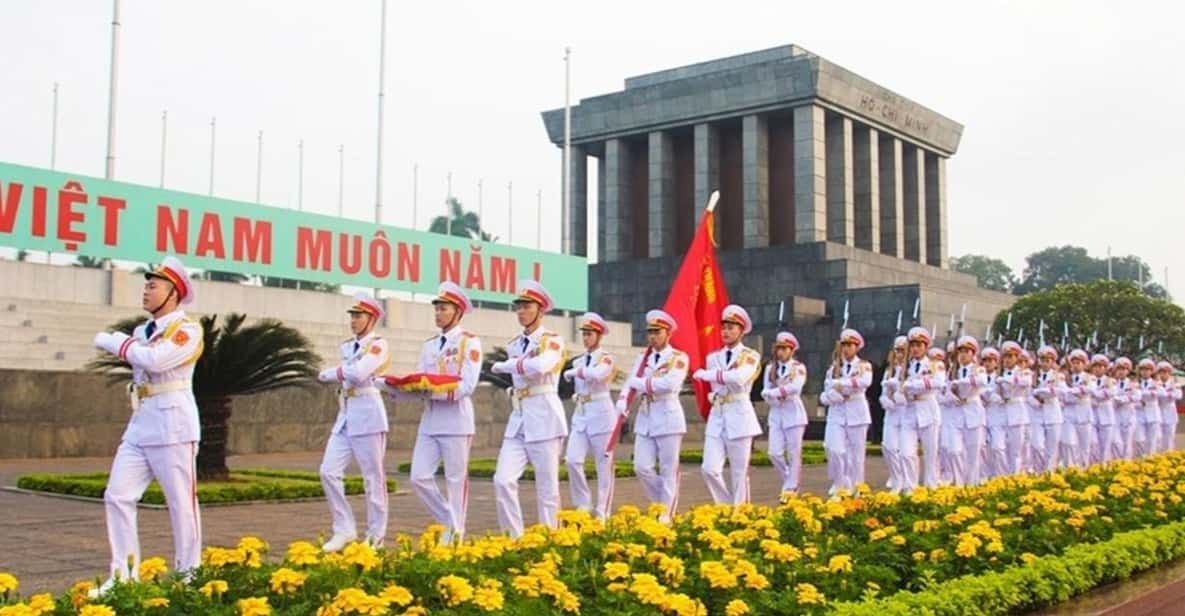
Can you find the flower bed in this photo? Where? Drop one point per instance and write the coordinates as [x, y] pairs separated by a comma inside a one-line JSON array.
[[244, 485], [812, 453], [1016, 543]]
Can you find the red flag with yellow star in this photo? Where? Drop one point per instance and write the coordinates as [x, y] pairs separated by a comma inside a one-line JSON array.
[[697, 296]]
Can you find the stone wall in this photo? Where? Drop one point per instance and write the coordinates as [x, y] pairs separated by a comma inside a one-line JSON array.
[[72, 414]]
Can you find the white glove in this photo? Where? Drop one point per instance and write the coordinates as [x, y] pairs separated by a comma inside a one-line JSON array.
[[768, 395], [501, 367], [569, 374], [701, 375], [636, 383], [620, 406], [328, 375], [101, 340]]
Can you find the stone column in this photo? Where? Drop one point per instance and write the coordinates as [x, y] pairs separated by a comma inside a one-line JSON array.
[[661, 208], [914, 191], [892, 226], [866, 177], [841, 218], [707, 166], [575, 241], [810, 175], [755, 180], [601, 224], [936, 214], [618, 229]]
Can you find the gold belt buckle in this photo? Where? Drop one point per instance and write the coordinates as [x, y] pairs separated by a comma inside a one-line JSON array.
[[142, 391]]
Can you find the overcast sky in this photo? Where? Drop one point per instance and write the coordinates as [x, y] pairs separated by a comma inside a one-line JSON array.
[[1073, 110]]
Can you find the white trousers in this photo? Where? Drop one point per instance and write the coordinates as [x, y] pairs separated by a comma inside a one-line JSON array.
[[134, 467], [1108, 444], [997, 452], [845, 447], [891, 451], [973, 445], [453, 451], [737, 451], [580, 446], [368, 450], [952, 467], [1152, 437], [1168, 437], [656, 463], [785, 451], [1124, 441], [513, 458]]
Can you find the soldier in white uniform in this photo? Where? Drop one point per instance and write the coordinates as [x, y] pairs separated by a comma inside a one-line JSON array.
[[162, 436], [782, 391], [848, 416], [360, 430], [447, 424], [1078, 409], [970, 380], [1103, 395], [593, 418], [1170, 393], [923, 379], [893, 402], [995, 415], [732, 423], [1149, 410], [656, 378], [1126, 400], [1048, 444], [950, 434], [1014, 383], [537, 426]]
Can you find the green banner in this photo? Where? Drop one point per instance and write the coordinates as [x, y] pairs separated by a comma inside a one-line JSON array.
[[67, 213]]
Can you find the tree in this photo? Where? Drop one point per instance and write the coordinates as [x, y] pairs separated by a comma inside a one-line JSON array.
[[91, 262], [1114, 309], [990, 273], [237, 360], [1056, 265], [463, 224]]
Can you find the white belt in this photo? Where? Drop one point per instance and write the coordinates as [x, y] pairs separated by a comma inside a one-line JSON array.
[[148, 390], [725, 399], [518, 395], [648, 399], [354, 392], [582, 400]]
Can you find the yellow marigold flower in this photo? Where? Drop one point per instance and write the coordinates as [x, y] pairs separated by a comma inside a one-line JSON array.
[[1028, 557], [41, 604], [17, 609], [254, 606], [156, 602], [897, 540], [285, 580], [252, 544], [655, 510], [8, 583], [152, 568], [455, 590], [756, 581], [1025, 510], [736, 607], [302, 553], [635, 550], [527, 585], [968, 545], [79, 592], [717, 574], [396, 595], [488, 599], [96, 610], [807, 594], [616, 571], [841, 563], [213, 587], [416, 610], [872, 523], [937, 554], [360, 555], [995, 547], [672, 569], [811, 551]]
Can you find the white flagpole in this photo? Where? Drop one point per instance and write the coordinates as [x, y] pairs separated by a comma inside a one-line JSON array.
[[53, 131], [300, 175], [111, 88], [480, 205], [341, 178], [378, 179], [258, 165], [565, 196], [510, 212], [213, 129], [539, 220], [415, 192], [448, 204], [164, 141]]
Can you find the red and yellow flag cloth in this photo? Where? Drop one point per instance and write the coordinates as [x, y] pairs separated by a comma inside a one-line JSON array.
[[697, 297], [425, 382]]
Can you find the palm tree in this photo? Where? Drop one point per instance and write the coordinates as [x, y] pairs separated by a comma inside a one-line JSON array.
[[91, 262], [238, 360], [463, 224]]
